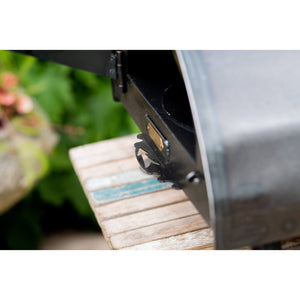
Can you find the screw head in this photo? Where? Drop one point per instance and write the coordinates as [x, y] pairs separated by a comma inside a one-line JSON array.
[[193, 177]]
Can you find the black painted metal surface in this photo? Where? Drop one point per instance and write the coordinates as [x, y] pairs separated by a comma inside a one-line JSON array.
[[94, 61]]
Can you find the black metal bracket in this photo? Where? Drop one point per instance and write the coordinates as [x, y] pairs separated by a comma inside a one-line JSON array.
[[117, 72], [158, 165]]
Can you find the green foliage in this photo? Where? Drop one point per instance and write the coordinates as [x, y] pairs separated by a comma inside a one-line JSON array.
[[81, 108], [20, 124], [32, 160]]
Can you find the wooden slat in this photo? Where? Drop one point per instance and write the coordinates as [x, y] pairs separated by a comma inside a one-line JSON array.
[[198, 239], [140, 203], [157, 231], [110, 168], [103, 147], [143, 215], [115, 180], [148, 217], [100, 158], [133, 189]]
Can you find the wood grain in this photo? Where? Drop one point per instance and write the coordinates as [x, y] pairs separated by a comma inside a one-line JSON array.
[[133, 189], [109, 168], [148, 217], [115, 180], [163, 217], [103, 147], [140, 203], [197, 239], [158, 231], [100, 158]]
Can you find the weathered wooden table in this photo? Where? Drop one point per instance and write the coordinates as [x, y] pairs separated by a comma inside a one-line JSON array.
[[134, 210]]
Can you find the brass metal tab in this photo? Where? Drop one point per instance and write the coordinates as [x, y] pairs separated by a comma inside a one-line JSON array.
[[155, 136]]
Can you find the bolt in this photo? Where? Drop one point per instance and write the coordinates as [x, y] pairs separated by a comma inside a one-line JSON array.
[[193, 177]]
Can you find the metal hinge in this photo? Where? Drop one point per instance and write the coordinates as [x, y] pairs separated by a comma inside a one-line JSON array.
[[117, 73]]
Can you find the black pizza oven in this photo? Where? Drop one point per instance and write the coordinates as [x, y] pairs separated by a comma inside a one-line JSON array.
[[224, 126]]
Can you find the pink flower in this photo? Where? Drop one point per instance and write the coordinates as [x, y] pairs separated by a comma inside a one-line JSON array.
[[7, 99], [24, 104], [9, 80]]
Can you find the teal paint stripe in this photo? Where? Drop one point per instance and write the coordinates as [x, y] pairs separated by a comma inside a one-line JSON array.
[[129, 190]]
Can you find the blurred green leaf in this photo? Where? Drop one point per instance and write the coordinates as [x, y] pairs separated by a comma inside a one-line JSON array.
[[71, 98]]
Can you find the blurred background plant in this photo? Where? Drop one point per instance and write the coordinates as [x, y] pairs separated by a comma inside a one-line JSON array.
[[80, 107], [26, 140]]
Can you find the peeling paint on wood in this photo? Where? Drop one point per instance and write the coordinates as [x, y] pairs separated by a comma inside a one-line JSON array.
[[140, 203], [128, 190], [134, 210], [133, 176]]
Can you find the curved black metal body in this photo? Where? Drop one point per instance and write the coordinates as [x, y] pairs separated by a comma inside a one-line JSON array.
[[246, 109]]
